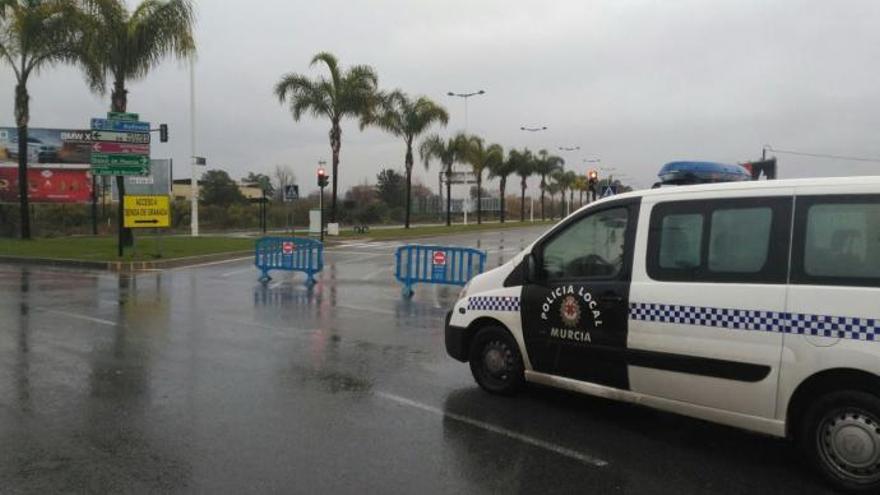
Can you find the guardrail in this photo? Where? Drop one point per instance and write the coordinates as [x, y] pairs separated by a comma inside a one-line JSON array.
[[447, 265], [291, 254]]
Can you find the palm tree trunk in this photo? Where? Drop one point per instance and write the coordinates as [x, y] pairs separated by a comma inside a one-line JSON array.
[[522, 204], [503, 185], [335, 145], [408, 161], [448, 195], [480, 197], [22, 117], [119, 103], [571, 198]]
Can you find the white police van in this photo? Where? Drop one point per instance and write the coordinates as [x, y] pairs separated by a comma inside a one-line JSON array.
[[753, 304]]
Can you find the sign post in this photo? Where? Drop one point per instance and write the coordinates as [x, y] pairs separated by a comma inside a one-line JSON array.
[[120, 147]]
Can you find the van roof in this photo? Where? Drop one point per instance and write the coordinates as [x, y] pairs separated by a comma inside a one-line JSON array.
[[747, 185]]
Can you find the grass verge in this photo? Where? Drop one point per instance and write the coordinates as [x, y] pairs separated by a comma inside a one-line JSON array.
[[103, 248]]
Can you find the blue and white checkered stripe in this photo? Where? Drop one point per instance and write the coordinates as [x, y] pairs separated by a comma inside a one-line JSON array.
[[493, 303], [762, 321]]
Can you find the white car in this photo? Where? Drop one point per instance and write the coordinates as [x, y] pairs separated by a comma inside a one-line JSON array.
[[752, 304]]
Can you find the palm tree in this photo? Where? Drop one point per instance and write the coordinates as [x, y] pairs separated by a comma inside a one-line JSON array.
[[480, 157], [502, 169], [525, 168], [581, 184], [565, 179], [34, 35], [546, 164], [571, 179], [447, 152], [125, 46], [350, 93], [552, 188], [406, 118]]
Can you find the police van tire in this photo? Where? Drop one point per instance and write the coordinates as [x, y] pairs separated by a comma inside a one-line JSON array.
[[841, 436], [495, 361]]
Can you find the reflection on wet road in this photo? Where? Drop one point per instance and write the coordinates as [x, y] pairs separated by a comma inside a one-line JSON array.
[[203, 380]]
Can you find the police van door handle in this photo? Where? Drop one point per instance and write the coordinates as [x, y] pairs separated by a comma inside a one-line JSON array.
[[611, 298]]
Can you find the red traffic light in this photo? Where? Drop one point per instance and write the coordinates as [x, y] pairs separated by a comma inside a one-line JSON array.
[[322, 172], [593, 175]]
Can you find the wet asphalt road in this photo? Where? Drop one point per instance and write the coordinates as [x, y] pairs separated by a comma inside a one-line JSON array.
[[203, 380]]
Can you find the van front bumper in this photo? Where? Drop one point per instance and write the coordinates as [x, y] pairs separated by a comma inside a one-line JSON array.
[[456, 340]]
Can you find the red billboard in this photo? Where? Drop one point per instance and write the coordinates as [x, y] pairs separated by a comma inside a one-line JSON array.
[[48, 185]]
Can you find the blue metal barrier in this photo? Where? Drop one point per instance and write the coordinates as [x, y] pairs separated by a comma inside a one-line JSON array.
[[447, 265], [290, 254]]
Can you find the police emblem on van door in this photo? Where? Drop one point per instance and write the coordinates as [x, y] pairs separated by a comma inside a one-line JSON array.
[[578, 313], [570, 311]]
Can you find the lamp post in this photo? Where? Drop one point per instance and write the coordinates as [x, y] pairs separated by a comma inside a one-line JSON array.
[[465, 97], [533, 129], [569, 148]]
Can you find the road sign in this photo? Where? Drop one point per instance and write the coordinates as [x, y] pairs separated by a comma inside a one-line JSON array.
[[291, 193], [123, 116], [119, 160], [439, 258], [148, 212], [607, 192], [134, 149], [288, 247], [121, 137], [120, 125], [120, 170]]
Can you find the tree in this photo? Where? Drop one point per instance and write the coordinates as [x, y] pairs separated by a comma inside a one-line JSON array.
[[480, 157], [581, 184], [391, 187], [34, 35], [564, 181], [502, 169], [571, 181], [546, 164], [217, 188], [447, 152], [125, 46], [403, 117], [284, 177], [524, 167], [350, 93]]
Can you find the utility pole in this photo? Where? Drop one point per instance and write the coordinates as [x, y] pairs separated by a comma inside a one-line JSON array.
[[194, 184]]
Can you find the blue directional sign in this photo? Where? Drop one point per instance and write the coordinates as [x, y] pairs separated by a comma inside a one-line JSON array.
[[608, 192], [120, 125]]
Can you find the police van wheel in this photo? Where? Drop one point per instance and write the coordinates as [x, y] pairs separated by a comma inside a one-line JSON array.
[[495, 361], [841, 435]]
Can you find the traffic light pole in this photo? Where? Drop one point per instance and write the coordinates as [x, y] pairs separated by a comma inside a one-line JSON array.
[[321, 216]]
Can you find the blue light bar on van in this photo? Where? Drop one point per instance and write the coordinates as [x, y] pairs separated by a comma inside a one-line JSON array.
[[702, 172]]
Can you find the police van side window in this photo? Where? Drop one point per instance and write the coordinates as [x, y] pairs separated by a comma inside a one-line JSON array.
[[730, 240], [838, 241], [591, 247]]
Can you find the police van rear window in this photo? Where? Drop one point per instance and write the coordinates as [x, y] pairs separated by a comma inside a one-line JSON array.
[[742, 240]]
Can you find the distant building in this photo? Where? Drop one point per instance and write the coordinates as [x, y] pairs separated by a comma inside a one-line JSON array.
[[181, 189]]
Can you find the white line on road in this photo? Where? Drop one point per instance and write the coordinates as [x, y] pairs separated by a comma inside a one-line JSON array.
[[564, 451], [79, 317], [367, 309], [235, 272]]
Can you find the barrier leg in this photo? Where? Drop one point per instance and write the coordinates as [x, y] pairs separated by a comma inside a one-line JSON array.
[[311, 280], [407, 291], [264, 278]]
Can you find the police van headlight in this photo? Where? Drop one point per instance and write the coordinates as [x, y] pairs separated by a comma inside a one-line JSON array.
[[464, 290]]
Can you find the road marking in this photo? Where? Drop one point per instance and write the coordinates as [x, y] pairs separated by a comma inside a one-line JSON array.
[[557, 449], [234, 272], [79, 317], [374, 274], [212, 263], [367, 309]]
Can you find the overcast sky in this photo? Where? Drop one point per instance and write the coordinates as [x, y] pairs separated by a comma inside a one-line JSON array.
[[633, 83]]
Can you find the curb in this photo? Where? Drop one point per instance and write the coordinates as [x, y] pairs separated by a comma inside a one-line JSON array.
[[126, 266]]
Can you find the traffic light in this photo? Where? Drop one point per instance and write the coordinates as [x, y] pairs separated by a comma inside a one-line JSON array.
[[163, 133], [593, 177], [322, 178]]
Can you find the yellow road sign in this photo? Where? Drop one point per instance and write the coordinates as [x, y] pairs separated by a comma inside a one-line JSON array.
[[147, 212]]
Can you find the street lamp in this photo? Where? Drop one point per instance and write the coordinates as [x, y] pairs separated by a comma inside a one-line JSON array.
[[594, 160], [533, 129], [466, 97], [566, 148]]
